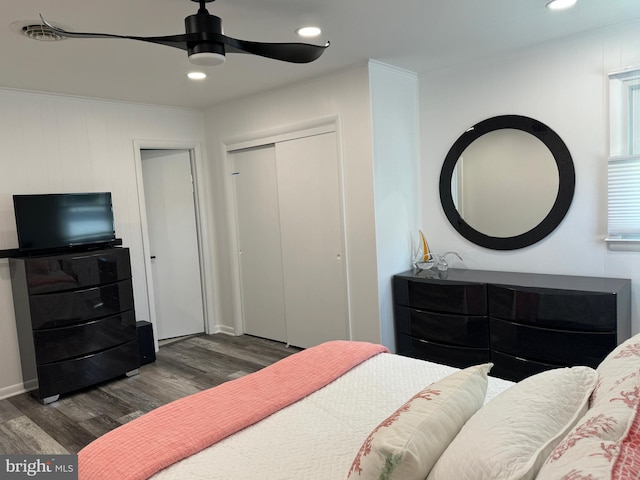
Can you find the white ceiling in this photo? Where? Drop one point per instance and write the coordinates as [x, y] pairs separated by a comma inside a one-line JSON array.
[[419, 35]]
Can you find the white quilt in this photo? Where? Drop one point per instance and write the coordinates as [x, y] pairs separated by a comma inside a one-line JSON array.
[[318, 437]]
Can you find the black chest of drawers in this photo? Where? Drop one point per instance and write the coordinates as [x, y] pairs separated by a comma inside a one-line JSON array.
[[75, 320], [523, 323]]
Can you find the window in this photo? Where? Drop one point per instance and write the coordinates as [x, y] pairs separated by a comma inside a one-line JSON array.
[[624, 159]]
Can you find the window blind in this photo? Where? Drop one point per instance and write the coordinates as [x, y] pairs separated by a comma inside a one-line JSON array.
[[624, 197]]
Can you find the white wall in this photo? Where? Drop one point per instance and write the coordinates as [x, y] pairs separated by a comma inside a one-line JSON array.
[[52, 144], [396, 163], [564, 85], [344, 94]]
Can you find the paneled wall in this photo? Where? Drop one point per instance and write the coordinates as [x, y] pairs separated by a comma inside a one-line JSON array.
[[396, 163], [563, 84], [51, 144]]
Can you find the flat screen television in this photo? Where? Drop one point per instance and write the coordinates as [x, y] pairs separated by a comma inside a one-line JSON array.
[[63, 220]]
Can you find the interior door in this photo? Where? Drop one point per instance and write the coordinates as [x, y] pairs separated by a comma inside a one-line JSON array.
[[312, 240], [173, 242], [259, 246]]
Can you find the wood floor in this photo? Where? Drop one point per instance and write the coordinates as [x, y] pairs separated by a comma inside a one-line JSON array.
[[181, 368]]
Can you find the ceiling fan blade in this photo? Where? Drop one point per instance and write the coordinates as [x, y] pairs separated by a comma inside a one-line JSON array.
[[177, 41], [287, 52]]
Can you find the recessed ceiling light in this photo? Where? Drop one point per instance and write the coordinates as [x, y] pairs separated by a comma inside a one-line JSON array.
[[308, 31], [197, 75], [560, 4]]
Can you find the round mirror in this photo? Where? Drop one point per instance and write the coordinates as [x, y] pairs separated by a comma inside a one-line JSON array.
[[507, 182]]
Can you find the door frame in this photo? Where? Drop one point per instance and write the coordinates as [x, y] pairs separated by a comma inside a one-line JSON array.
[[308, 128], [205, 258]]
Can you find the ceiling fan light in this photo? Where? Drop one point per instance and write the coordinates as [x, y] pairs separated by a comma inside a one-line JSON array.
[[560, 4], [197, 75], [207, 59], [308, 32]]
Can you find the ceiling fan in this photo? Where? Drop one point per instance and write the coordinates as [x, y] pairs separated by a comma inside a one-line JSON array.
[[207, 45]]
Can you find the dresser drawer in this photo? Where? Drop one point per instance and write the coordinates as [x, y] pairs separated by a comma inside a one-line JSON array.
[[463, 330], [51, 310], [81, 270], [571, 310], [66, 376], [68, 342], [445, 297], [455, 356], [562, 347], [514, 368]]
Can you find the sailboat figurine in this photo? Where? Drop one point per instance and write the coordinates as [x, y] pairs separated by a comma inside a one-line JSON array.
[[425, 247], [424, 259]]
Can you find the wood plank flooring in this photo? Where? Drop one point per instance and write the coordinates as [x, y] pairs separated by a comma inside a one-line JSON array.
[[184, 367]]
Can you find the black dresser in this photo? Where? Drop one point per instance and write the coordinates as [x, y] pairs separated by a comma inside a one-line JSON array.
[[75, 320], [523, 323]]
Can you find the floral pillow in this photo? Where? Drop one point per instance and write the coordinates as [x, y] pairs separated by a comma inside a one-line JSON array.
[[621, 364], [605, 444], [407, 444]]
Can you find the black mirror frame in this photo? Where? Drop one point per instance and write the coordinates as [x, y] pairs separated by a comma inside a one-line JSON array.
[[566, 187]]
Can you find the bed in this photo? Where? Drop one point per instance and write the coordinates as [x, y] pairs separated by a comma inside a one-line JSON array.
[[351, 410]]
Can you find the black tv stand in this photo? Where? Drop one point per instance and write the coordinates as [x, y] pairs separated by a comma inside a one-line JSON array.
[[88, 247], [75, 319], [10, 253]]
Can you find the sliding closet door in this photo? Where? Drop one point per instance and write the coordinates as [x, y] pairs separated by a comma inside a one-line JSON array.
[[259, 246], [312, 239]]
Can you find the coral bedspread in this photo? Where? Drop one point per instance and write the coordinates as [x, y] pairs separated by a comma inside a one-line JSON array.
[[175, 431]]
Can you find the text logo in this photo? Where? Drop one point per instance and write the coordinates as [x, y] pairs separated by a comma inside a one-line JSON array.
[[38, 467]]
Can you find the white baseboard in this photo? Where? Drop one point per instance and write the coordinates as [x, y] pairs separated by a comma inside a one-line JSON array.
[[12, 390], [225, 329]]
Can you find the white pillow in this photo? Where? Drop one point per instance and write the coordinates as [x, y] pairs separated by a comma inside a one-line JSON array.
[[407, 444], [512, 435]]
